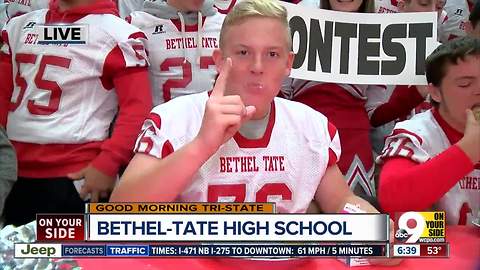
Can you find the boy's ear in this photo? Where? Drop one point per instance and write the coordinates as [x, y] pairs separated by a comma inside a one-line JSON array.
[[435, 93], [218, 59]]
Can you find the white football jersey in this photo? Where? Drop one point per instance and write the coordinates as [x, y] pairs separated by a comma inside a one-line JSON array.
[[386, 6], [457, 15], [422, 138], [180, 63], [224, 6], [10, 8], [60, 94], [284, 166]]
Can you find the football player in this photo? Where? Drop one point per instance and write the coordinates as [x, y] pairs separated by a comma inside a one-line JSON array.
[[62, 99], [433, 158]]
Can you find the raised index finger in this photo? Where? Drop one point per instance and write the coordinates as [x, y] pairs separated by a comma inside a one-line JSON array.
[[221, 82]]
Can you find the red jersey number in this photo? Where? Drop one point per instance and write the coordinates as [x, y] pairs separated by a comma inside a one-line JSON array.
[[40, 83], [238, 191], [205, 62]]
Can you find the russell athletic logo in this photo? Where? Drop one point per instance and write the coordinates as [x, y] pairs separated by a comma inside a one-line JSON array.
[[158, 29]]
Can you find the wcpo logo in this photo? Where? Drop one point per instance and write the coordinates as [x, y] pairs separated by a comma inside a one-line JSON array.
[[420, 227], [62, 34], [35, 250]]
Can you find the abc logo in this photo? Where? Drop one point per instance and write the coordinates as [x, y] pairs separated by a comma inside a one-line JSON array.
[[410, 227], [401, 235]]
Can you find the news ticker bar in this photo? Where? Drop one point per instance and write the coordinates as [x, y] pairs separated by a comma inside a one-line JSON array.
[[42, 250], [422, 250]]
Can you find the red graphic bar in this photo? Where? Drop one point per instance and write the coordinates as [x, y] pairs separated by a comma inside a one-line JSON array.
[[435, 250], [69, 227]]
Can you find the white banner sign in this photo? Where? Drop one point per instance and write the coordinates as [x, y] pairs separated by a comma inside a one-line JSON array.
[[361, 48]]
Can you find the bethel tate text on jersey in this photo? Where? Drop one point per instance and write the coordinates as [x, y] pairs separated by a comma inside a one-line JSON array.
[[249, 164]]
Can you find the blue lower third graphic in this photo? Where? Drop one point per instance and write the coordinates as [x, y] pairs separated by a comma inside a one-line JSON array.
[[128, 250], [83, 250]]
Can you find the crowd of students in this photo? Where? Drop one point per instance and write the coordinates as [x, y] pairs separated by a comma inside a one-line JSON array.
[[227, 123]]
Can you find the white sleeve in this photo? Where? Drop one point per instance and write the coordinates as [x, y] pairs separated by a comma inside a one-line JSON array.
[[170, 126], [134, 51], [12, 9], [153, 140], [404, 143]]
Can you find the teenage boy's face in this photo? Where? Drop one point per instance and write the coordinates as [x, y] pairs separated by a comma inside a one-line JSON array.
[[261, 59], [459, 90]]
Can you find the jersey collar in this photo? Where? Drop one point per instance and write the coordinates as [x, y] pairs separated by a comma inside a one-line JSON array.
[[262, 142]]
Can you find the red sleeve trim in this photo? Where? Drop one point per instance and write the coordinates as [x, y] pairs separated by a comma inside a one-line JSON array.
[[332, 158], [137, 35], [332, 130], [157, 120], [128, 19], [114, 62], [167, 149], [404, 131], [225, 11]]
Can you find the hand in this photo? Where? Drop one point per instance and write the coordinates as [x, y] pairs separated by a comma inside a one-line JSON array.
[[470, 143], [224, 115], [98, 184]]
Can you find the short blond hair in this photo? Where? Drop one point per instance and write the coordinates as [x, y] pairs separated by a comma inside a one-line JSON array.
[[256, 8]]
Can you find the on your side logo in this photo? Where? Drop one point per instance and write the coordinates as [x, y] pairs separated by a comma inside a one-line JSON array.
[[423, 227]]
